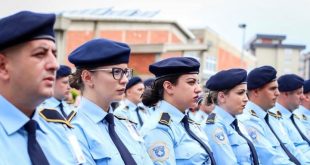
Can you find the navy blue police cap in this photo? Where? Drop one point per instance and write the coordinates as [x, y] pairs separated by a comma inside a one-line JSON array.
[[100, 52], [261, 76], [226, 79], [63, 71], [133, 81], [25, 26], [174, 66], [149, 82], [290, 82], [307, 86]]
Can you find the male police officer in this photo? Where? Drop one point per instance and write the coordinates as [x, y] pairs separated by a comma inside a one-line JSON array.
[[27, 75], [263, 92], [291, 93]]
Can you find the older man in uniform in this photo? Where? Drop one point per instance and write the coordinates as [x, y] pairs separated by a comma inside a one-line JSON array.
[[263, 92], [291, 93], [27, 76]]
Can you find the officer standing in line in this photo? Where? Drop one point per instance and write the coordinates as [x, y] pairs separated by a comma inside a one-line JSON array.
[[170, 136], [205, 108], [61, 92], [227, 136], [27, 76], [303, 112], [102, 73], [291, 93], [263, 92], [129, 107]]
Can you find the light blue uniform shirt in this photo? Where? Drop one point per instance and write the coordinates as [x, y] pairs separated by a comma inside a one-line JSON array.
[[96, 143], [171, 144], [13, 138], [53, 103], [304, 115], [127, 109], [228, 146], [267, 146], [301, 149], [201, 117]]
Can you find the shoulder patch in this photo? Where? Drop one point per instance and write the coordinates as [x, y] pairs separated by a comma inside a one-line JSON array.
[[219, 136], [273, 115], [52, 115], [165, 119], [253, 113], [211, 118], [304, 117], [159, 151]]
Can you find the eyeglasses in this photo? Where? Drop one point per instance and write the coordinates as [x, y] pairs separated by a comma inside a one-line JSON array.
[[117, 73]]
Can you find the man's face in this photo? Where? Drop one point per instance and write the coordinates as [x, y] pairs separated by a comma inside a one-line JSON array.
[[294, 98], [62, 88], [30, 69], [268, 95], [135, 92]]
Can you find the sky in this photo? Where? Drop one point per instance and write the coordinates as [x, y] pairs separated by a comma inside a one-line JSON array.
[[280, 17]]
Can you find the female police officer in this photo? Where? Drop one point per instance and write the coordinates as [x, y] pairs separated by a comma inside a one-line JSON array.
[[102, 74], [174, 139], [228, 139]]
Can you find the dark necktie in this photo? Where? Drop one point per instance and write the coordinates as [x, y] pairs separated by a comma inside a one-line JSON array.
[[61, 107], [139, 117], [288, 153], [35, 152], [250, 144], [191, 134], [301, 134], [125, 154]]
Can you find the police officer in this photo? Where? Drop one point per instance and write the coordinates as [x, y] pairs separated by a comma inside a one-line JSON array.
[[205, 108], [129, 107], [102, 74], [27, 75], [227, 136], [263, 92], [303, 112], [291, 93], [171, 138], [61, 93]]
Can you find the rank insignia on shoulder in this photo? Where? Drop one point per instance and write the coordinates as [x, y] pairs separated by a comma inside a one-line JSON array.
[[273, 115], [253, 113], [192, 121], [279, 114], [211, 118], [52, 115], [120, 117], [304, 117], [71, 116], [164, 119], [296, 116]]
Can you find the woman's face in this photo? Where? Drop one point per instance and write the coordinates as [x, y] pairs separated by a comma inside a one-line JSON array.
[[235, 100], [185, 93], [108, 86]]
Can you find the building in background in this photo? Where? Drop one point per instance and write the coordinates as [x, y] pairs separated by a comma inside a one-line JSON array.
[[306, 65], [270, 50]]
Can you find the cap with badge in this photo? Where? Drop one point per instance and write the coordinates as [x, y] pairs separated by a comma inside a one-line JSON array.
[[25, 26], [307, 86], [174, 66], [261, 76], [133, 81], [290, 82], [100, 52], [63, 71], [226, 79]]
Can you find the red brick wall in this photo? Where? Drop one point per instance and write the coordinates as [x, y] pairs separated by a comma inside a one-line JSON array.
[[159, 36], [116, 35], [140, 62], [136, 36], [227, 60]]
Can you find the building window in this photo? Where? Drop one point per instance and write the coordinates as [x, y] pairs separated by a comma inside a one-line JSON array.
[[210, 65]]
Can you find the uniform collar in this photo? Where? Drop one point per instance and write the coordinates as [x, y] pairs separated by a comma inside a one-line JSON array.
[[52, 102], [285, 112], [92, 110], [13, 119], [257, 109], [175, 114], [304, 110], [130, 104], [224, 116]]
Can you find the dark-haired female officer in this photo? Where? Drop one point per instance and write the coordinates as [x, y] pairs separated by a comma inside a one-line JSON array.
[[170, 136], [102, 74], [228, 137]]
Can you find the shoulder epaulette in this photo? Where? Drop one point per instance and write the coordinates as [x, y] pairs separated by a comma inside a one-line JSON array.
[[192, 121], [165, 119], [273, 115], [279, 114], [70, 116], [141, 108], [124, 118], [253, 113], [296, 116], [211, 118], [52, 115], [127, 107], [304, 117]]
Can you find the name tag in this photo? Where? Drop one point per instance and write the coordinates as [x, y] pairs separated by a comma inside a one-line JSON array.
[[76, 149]]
